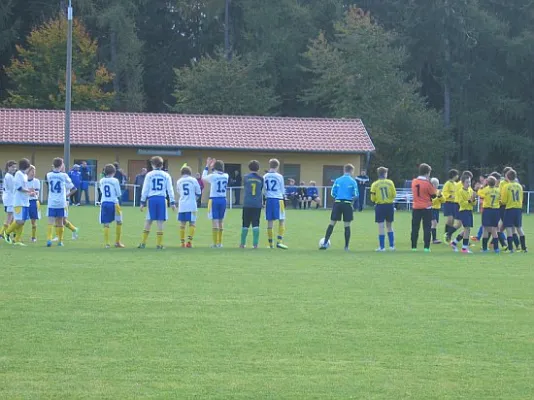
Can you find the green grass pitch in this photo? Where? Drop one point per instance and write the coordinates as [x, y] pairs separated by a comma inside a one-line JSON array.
[[83, 322]]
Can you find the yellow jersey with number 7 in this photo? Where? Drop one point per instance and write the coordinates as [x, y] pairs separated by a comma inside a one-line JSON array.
[[491, 197]]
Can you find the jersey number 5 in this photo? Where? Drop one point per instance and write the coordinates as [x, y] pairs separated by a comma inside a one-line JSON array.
[[186, 189]]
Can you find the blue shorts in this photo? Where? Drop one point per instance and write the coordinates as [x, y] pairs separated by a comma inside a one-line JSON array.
[[35, 213], [21, 213], [190, 217], [217, 208], [491, 217], [435, 215], [502, 210], [466, 217], [157, 209], [56, 212], [513, 218], [275, 209], [110, 212], [450, 209], [384, 212]]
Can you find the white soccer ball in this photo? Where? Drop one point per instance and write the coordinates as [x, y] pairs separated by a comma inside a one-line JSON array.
[[322, 243]]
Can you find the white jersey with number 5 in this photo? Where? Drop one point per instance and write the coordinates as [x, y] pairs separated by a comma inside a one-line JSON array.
[[274, 185], [157, 183], [218, 182], [188, 189], [111, 190], [59, 184]]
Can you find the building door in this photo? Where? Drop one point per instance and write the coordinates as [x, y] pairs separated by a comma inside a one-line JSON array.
[[330, 174]]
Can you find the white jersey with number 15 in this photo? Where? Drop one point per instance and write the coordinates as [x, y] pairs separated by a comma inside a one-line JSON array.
[[273, 185], [157, 183]]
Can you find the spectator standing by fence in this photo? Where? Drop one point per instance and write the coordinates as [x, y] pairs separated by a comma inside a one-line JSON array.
[[86, 179], [363, 181], [235, 182], [201, 183], [76, 178], [139, 180]]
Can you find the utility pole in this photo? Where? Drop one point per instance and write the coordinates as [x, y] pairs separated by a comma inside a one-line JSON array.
[[227, 50], [68, 94]]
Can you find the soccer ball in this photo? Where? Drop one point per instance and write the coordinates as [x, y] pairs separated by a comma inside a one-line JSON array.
[[322, 243]]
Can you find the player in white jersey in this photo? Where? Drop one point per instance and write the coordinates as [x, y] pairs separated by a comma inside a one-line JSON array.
[[273, 186], [189, 191], [110, 209], [218, 181], [156, 188], [35, 206], [7, 195], [21, 203], [60, 187]]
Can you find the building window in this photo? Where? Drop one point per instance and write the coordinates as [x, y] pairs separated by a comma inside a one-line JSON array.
[[292, 171], [92, 165]]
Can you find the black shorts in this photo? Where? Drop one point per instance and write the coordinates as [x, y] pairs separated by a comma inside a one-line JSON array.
[[342, 210], [251, 216]]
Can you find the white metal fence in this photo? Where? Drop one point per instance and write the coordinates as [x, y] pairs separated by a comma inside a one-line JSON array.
[[234, 198]]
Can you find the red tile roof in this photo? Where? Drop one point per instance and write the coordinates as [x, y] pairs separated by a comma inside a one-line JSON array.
[[114, 129]]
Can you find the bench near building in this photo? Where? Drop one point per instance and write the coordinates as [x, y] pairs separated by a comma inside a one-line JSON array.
[[308, 148]]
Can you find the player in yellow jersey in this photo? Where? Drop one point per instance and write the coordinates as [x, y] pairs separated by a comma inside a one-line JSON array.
[[458, 188], [450, 207], [466, 201], [490, 217], [383, 194], [436, 207], [513, 202], [502, 187]]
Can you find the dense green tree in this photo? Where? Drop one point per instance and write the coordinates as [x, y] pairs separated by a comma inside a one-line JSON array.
[[360, 75], [214, 85], [38, 72]]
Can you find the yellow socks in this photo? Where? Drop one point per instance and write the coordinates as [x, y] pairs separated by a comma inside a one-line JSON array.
[[159, 239], [281, 231], [106, 235], [12, 228], [191, 233], [215, 234], [118, 233], [69, 225], [145, 237], [220, 237], [270, 235], [34, 231], [182, 234], [19, 230], [60, 230], [49, 232]]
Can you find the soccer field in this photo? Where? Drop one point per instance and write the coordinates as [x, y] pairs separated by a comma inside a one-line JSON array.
[[87, 322]]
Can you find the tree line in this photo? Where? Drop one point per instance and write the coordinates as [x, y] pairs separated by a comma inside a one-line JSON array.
[[446, 81]]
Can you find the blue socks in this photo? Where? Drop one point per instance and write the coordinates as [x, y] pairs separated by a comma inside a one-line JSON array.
[[479, 234], [391, 238], [382, 241]]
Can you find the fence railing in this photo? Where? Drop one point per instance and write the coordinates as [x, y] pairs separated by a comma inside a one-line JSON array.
[[234, 197]]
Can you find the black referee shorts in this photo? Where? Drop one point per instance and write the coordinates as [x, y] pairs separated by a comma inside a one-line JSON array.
[[251, 216], [342, 210]]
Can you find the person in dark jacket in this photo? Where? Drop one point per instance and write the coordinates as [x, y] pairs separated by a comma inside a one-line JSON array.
[[86, 179], [76, 178], [139, 180]]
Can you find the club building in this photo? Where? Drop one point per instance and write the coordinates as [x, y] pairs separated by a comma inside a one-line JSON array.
[[308, 148]]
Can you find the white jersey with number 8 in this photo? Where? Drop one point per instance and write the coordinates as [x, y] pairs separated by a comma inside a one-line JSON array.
[[111, 190]]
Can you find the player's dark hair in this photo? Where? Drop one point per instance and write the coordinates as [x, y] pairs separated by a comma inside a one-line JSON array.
[[9, 164], [491, 181], [274, 163], [424, 169], [465, 177], [467, 173], [505, 170], [218, 166], [186, 171], [348, 168], [453, 173], [109, 169], [381, 171], [156, 161], [496, 175], [58, 162], [254, 166], [24, 164], [511, 175]]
